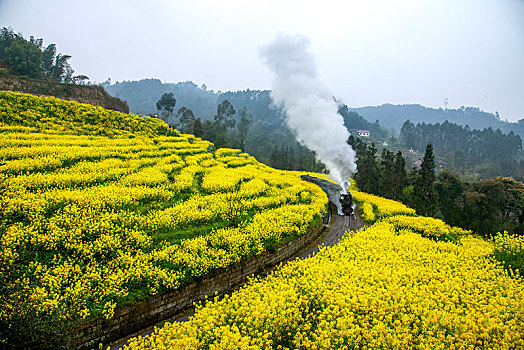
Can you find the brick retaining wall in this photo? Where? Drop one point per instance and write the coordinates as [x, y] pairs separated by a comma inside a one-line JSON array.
[[154, 310]]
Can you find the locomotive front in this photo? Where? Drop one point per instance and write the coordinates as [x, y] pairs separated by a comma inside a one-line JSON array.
[[346, 201]]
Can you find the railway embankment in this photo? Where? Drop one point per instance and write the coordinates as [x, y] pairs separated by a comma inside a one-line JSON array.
[[329, 233], [138, 318]]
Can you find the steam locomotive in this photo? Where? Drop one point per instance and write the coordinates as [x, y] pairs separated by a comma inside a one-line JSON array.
[[343, 201]]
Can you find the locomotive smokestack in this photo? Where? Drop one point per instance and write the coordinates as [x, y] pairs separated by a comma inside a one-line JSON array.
[[311, 112]]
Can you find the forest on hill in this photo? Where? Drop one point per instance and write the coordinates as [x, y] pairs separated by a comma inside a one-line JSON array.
[[268, 138], [27, 66], [484, 206], [30, 58], [486, 152], [393, 117], [474, 153]]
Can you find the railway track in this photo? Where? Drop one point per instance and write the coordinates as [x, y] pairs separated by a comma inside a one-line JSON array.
[[337, 227]]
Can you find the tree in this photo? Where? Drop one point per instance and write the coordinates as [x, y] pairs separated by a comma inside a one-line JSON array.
[[27, 58], [209, 131], [356, 143], [368, 173], [400, 176], [198, 127], [424, 192], [224, 111], [388, 180], [80, 79], [166, 104], [23, 57], [61, 70], [48, 58], [243, 125], [449, 189], [407, 134], [185, 117]]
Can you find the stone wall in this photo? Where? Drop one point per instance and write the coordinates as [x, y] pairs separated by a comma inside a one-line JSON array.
[[94, 95], [150, 312]]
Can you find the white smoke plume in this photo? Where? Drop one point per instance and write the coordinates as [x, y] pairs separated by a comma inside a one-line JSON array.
[[311, 112]]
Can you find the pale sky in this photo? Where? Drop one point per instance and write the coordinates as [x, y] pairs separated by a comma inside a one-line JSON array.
[[367, 52]]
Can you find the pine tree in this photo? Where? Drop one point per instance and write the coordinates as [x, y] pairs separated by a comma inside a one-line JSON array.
[[368, 174], [401, 177], [424, 192], [388, 182]]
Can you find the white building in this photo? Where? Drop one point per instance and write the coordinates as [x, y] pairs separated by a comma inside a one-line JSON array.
[[363, 133]]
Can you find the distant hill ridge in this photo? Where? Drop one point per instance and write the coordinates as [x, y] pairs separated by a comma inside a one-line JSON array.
[[267, 131], [393, 116], [142, 96]]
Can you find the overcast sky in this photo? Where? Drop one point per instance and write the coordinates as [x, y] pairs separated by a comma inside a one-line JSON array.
[[368, 52]]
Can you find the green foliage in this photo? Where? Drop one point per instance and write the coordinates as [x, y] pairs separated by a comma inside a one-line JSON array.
[[449, 189], [394, 116], [186, 118], [23, 57], [353, 120], [289, 158], [48, 59], [368, 174], [424, 193], [400, 176], [386, 176], [388, 181], [197, 127], [166, 104], [26, 58], [61, 70], [243, 125], [488, 152], [493, 205], [223, 118]]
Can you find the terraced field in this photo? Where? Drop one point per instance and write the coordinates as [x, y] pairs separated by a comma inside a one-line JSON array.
[[100, 211], [92, 223], [406, 282]]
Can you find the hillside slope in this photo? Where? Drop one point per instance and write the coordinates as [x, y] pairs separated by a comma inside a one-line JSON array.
[[94, 95], [99, 210]]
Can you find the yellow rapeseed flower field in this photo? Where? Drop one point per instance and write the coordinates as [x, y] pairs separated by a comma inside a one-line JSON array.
[[385, 287], [99, 211]]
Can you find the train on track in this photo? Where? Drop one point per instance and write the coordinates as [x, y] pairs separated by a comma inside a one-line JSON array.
[[342, 200]]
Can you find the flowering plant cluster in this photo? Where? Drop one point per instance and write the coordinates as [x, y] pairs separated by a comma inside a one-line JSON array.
[[57, 115], [405, 282], [91, 223], [379, 288]]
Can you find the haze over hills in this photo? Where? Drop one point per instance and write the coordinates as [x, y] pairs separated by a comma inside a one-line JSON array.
[[393, 116], [267, 131], [142, 96], [270, 140]]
